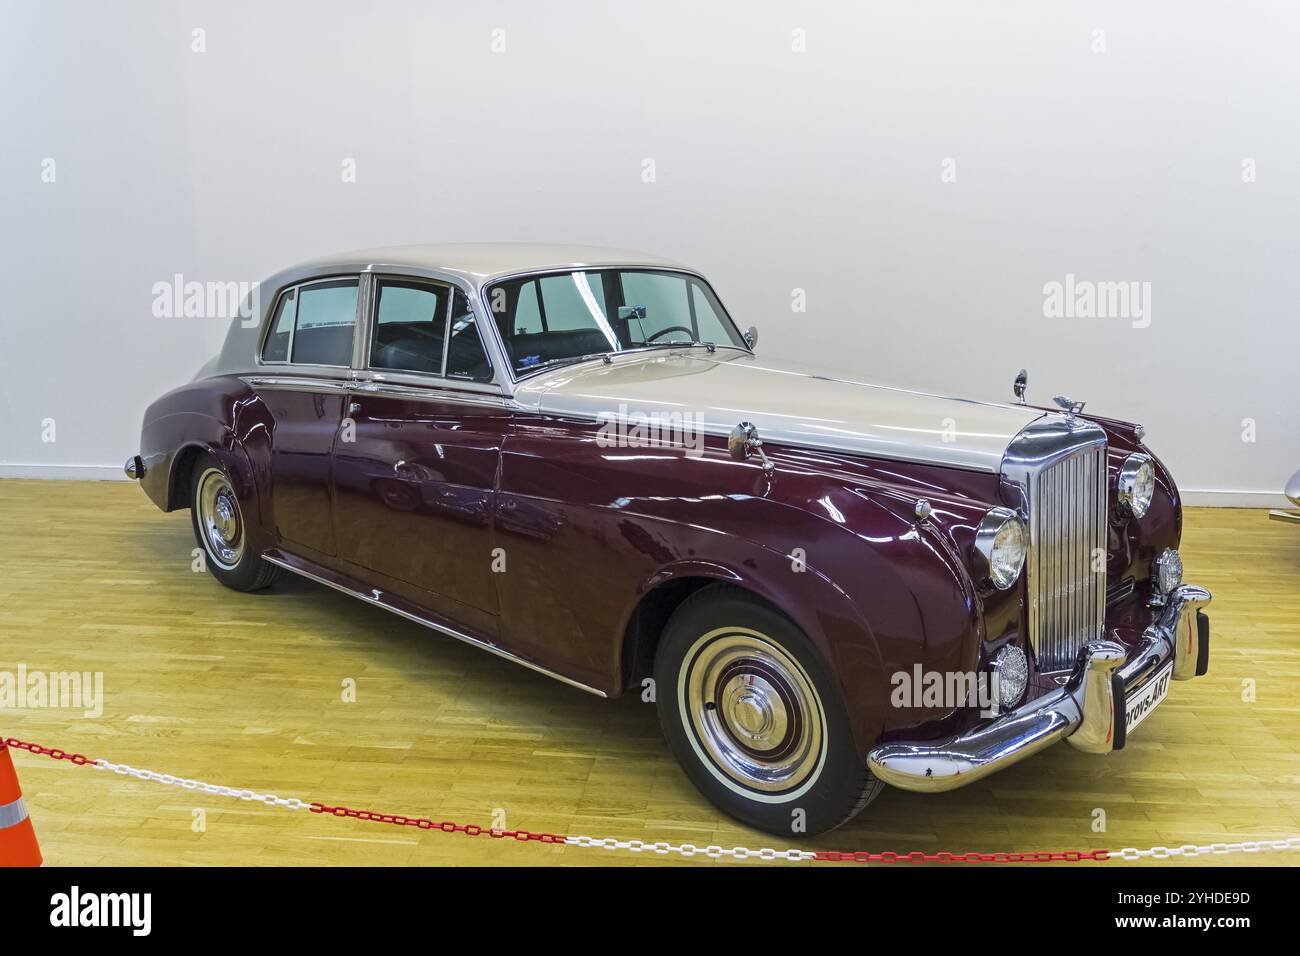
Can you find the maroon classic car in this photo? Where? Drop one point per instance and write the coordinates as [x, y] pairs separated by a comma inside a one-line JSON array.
[[574, 459]]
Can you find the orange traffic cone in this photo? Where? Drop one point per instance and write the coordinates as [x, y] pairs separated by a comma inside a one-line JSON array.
[[17, 838]]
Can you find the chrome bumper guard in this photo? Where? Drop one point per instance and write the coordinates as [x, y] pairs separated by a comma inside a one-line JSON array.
[[1088, 710]]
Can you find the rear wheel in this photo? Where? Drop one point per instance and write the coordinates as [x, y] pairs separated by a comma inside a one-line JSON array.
[[221, 532], [754, 719]]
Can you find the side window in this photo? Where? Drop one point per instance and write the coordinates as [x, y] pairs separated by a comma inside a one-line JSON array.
[[465, 356], [327, 313], [410, 327], [276, 346], [712, 327]]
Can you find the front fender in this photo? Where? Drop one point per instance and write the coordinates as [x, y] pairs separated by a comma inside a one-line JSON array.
[[881, 599]]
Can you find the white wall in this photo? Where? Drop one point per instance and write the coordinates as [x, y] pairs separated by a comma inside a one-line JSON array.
[[775, 170]]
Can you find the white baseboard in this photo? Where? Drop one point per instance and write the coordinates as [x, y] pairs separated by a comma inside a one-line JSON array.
[[1223, 498], [1196, 497], [64, 472]]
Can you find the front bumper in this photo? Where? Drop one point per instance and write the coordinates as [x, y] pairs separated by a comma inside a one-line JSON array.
[[1089, 710]]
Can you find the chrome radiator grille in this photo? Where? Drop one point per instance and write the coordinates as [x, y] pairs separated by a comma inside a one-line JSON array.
[[1067, 524]]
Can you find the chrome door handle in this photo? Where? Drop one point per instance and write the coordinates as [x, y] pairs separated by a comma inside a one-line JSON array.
[[354, 409]]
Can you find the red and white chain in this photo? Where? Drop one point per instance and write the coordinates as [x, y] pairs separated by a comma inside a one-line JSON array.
[[713, 851], [1215, 849], [290, 803], [660, 848]]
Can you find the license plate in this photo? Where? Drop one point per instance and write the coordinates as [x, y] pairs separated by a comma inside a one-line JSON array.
[[1139, 706]]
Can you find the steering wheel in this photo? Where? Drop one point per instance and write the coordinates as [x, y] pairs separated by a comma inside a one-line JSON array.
[[672, 328]]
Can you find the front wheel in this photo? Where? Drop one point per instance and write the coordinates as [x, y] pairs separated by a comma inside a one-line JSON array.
[[754, 719], [220, 530]]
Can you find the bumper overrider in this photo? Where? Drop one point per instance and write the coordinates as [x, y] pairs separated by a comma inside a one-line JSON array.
[[1090, 710]]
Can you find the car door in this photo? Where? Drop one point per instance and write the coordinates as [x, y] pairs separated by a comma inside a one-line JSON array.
[[304, 374], [416, 460]]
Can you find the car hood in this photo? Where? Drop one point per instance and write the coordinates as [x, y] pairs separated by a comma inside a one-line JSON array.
[[790, 404]]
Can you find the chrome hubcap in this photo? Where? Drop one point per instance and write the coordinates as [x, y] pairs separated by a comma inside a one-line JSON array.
[[220, 522], [754, 711], [751, 712]]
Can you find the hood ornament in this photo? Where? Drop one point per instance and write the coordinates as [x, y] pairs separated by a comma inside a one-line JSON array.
[[1069, 405], [744, 441]]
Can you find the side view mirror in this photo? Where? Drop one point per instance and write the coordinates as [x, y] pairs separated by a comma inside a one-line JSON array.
[[744, 441], [751, 337]]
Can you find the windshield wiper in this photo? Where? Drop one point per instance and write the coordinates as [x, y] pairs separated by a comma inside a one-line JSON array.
[[677, 345], [608, 355], [569, 360]]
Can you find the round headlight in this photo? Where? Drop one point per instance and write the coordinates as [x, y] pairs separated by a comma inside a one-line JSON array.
[[1167, 571], [1000, 542], [1013, 673], [1137, 483]]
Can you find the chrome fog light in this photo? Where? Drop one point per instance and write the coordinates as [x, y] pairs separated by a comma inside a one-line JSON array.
[[1000, 542], [1012, 670], [1137, 483], [1166, 574]]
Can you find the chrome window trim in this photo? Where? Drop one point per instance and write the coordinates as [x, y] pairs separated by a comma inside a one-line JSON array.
[[270, 322], [609, 267], [446, 333], [361, 363], [296, 287], [365, 307]]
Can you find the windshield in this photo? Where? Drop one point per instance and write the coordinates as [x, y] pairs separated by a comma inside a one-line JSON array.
[[550, 319]]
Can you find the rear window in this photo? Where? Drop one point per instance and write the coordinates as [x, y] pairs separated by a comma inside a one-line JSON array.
[[313, 324]]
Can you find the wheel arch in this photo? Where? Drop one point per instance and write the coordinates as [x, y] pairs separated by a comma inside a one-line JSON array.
[[238, 466], [839, 632]]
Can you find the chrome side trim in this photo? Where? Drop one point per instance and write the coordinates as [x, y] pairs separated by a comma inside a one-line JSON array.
[[417, 393], [1291, 516], [296, 383], [440, 628]]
